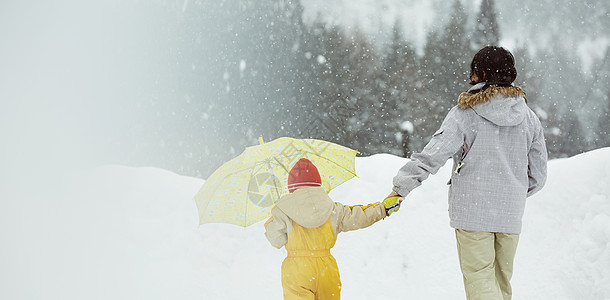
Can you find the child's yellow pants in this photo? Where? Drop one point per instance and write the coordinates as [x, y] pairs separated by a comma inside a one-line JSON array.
[[309, 271]]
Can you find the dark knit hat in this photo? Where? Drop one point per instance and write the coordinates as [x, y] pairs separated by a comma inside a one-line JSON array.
[[494, 65], [304, 173]]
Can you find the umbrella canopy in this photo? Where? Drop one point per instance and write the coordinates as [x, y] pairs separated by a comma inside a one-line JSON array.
[[244, 190]]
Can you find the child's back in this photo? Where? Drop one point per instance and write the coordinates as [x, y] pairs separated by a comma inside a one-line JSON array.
[[306, 222]]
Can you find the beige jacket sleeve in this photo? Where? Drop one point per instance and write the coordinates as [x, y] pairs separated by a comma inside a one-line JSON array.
[[277, 228], [347, 218]]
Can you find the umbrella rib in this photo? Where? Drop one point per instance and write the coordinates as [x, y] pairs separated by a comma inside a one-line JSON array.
[[214, 187], [281, 164], [277, 193], [235, 172], [342, 167], [260, 166], [246, 202]]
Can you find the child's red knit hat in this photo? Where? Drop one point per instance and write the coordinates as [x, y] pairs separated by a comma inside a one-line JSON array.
[[304, 173]]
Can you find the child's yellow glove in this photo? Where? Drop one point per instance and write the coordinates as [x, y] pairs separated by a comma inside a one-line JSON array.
[[392, 204]]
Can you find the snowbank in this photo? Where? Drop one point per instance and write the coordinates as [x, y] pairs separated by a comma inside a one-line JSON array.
[[131, 233]]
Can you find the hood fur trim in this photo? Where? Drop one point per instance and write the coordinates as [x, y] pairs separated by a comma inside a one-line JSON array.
[[468, 99]]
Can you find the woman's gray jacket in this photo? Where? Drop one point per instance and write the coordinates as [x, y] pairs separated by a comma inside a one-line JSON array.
[[499, 159]]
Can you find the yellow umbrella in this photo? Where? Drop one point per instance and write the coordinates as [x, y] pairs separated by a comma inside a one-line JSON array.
[[243, 190]]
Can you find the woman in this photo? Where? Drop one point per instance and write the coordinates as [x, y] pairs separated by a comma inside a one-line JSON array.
[[499, 159]]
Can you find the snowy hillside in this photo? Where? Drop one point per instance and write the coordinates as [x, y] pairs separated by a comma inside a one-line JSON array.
[[131, 233]]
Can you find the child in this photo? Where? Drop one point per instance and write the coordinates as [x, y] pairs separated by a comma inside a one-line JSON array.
[[306, 222], [499, 159]]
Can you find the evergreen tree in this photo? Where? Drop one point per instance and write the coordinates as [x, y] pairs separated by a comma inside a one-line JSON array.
[[486, 30], [327, 110], [312, 89], [373, 120], [271, 59], [598, 103], [603, 132], [399, 93], [243, 85], [290, 65], [572, 135], [528, 77], [357, 68], [445, 68], [428, 118], [562, 94], [456, 56], [552, 132]]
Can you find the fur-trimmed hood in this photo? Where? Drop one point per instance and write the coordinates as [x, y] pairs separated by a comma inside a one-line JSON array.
[[501, 105]]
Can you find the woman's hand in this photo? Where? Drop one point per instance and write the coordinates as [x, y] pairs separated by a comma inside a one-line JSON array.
[[392, 194]]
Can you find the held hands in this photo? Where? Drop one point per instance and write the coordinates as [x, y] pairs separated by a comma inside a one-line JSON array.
[[392, 194], [392, 203]]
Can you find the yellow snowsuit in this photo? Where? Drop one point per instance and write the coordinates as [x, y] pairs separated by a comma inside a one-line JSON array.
[[306, 223]]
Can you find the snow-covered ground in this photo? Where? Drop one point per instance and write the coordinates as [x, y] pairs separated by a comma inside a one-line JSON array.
[[131, 233]]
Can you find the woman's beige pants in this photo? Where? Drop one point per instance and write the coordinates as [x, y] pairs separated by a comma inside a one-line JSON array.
[[486, 260]]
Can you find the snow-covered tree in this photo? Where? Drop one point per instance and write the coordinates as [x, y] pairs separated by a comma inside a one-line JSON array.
[[323, 113], [598, 103], [445, 69], [486, 31], [400, 93]]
